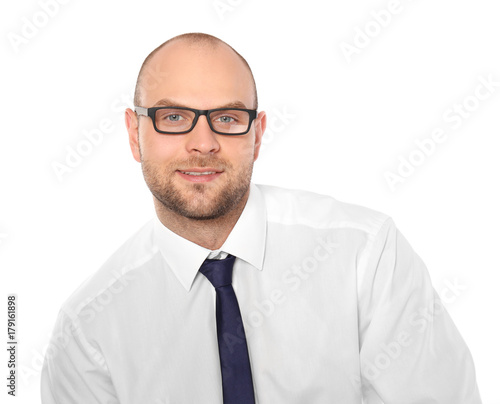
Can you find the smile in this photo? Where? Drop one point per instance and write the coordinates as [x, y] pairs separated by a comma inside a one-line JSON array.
[[200, 174], [197, 173]]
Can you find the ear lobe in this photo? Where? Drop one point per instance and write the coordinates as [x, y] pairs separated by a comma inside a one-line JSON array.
[[260, 128], [132, 124]]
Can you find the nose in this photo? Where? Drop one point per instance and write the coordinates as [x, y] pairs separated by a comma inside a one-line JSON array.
[[201, 139]]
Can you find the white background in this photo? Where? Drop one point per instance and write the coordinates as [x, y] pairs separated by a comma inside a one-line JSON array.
[[348, 124]]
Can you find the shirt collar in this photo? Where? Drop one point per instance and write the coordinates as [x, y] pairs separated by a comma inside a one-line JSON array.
[[246, 241]]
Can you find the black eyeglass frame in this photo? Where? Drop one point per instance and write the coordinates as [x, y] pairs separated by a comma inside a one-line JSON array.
[[151, 112]]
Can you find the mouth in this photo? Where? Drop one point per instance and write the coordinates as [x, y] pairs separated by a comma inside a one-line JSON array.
[[198, 173], [205, 174]]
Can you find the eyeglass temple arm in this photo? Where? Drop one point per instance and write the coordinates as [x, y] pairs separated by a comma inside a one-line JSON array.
[[141, 111]]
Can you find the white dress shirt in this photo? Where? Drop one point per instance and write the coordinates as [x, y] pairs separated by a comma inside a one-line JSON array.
[[336, 306]]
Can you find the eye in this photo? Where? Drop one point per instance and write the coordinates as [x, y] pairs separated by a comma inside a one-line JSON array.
[[172, 117], [225, 119]]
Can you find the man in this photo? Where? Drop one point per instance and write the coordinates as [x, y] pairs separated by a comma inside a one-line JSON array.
[[326, 301]]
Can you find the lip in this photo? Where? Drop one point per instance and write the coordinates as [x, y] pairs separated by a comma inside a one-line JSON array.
[[199, 178]]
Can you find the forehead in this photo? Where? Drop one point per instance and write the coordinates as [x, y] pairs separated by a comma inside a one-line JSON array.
[[200, 75]]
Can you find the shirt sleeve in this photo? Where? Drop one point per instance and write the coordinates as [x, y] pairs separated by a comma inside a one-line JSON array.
[[74, 371], [410, 350]]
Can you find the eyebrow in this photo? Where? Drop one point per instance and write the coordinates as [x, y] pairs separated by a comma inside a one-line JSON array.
[[166, 102]]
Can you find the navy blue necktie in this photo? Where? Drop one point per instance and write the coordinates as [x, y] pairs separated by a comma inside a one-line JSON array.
[[237, 385]]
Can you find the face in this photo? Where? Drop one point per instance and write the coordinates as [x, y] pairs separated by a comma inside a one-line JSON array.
[[199, 175]]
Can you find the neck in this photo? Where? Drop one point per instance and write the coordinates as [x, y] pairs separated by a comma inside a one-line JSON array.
[[210, 234]]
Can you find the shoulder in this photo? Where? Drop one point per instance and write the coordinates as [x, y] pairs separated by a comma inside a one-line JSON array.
[[132, 255], [298, 207]]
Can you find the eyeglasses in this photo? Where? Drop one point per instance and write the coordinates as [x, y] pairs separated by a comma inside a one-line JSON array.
[[178, 120]]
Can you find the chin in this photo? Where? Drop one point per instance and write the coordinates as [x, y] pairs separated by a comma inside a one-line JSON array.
[[201, 213]]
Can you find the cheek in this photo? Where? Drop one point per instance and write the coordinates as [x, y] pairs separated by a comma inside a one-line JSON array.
[[238, 149], [158, 147]]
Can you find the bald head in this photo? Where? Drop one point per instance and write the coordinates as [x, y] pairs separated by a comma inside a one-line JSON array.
[[150, 75]]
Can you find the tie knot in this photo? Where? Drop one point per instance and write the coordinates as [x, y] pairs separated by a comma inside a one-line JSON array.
[[218, 272]]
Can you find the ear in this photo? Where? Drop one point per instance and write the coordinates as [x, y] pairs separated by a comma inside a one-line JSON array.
[[132, 124], [260, 128]]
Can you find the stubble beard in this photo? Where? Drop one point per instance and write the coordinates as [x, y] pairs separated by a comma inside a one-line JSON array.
[[198, 201]]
